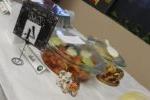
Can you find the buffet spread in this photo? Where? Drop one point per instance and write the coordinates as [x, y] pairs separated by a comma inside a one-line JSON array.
[[76, 63], [73, 58]]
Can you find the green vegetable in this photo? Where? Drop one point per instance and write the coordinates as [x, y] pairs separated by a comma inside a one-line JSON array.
[[88, 62], [85, 54], [55, 40], [71, 51]]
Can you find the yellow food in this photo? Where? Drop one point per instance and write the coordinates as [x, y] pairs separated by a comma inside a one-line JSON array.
[[133, 96]]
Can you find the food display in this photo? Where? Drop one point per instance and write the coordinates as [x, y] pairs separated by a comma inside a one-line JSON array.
[[81, 61], [111, 76], [73, 58], [56, 63]]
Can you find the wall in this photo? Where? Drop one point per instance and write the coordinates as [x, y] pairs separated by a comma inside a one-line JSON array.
[[136, 53]]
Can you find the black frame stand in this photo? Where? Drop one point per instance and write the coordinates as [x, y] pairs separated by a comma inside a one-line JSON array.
[[17, 60]]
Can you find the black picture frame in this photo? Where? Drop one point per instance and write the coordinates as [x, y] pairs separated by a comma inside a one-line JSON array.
[[40, 15]]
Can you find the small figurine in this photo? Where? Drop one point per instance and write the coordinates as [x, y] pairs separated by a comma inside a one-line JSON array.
[[66, 83]]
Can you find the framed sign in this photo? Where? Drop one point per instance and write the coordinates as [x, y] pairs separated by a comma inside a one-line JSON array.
[[35, 24]]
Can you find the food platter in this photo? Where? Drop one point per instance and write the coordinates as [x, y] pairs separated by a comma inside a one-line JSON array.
[[81, 62], [111, 78]]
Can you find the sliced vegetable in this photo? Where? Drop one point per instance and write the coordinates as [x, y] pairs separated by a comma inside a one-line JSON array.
[[88, 61], [85, 54], [55, 40], [71, 51]]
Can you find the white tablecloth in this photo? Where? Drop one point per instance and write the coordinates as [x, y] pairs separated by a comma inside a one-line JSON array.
[[22, 83]]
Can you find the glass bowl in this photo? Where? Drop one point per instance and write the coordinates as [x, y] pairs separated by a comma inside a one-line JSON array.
[[82, 60]]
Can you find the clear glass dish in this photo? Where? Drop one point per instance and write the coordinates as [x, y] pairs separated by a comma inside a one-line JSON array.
[[82, 60]]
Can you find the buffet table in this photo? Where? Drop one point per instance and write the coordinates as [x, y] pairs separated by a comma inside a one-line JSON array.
[[23, 83]]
